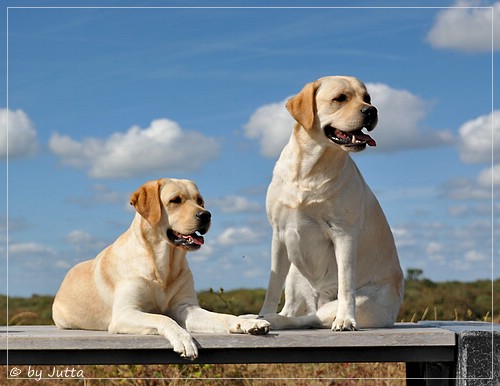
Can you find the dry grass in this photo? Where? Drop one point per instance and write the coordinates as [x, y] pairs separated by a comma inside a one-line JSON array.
[[223, 375]]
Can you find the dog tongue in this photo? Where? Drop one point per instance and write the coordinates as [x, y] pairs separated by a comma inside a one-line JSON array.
[[196, 239], [365, 137]]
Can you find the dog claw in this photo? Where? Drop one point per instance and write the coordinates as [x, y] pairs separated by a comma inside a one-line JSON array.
[[263, 330], [346, 326], [260, 329]]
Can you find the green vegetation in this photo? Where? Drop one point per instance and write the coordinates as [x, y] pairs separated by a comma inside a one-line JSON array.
[[424, 300], [34, 310]]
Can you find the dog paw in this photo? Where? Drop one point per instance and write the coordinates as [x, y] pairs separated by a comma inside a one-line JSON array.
[[344, 324], [183, 344], [187, 350], [251, 326], [261, 328]]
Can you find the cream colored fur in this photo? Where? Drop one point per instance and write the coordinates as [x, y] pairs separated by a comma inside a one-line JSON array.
[[331, 240], [142, 284]]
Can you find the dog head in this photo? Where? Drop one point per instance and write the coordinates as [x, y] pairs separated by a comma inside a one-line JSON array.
[[339, 107], [176, 209]]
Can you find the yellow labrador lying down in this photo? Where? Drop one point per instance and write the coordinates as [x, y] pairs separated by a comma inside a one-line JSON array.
[[331, 240], [142, 284]]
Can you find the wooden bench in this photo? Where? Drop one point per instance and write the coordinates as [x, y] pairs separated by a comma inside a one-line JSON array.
[[435, 353]]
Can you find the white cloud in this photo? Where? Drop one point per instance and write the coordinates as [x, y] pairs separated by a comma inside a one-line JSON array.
[[489, 177], [21, 138], [162, 147], [477, 137], [272, 125], [234, 204], [400, 123], [238, 236], [466, 29]]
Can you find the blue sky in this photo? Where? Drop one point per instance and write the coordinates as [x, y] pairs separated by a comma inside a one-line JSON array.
[[101, 100]]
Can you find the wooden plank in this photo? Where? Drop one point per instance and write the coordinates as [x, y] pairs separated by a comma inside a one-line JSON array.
[[51, 338], [404, 343]]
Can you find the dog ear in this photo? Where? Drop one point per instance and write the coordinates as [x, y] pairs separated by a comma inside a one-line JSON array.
[[146, 201], [302, 106]]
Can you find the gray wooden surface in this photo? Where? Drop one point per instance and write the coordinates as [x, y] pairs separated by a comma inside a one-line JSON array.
[[436, 353], [52, 338], [406, 342]]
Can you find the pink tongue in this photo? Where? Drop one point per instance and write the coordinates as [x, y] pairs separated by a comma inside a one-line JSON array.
[[365, 137], [199, 240]]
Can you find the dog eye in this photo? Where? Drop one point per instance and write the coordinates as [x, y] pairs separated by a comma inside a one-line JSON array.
[[340, 98], [367, 99], [200, 202], [176, 200]]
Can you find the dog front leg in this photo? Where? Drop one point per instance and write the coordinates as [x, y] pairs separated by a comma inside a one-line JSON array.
[[138, 322], [346, 255], [280, 266], [196, 319], [129, 317]]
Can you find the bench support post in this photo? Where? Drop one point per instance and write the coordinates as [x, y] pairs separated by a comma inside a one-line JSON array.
[[430, 374], [478, 361]]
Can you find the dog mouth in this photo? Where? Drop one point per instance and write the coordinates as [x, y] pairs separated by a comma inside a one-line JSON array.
[[191, 241], [354, 138]]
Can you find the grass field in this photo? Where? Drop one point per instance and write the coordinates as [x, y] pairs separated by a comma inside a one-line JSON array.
[[424, 300]]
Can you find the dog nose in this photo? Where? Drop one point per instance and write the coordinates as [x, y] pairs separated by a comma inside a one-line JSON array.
[[371, 117], [369, 111], [204, 216]]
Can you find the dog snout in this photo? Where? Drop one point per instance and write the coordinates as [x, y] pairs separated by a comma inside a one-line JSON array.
[[371, 115]]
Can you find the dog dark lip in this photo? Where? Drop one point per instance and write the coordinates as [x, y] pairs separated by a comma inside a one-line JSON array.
[[344, 138], [191, 241]]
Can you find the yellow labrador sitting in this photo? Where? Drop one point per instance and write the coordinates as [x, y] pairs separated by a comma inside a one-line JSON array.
[[142, 284], [331, 241]]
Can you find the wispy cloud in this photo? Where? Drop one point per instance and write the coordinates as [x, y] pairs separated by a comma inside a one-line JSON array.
[[100, 194], [30, 249], [453, 247], [234, 204], [464, 189], [85, 243]]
